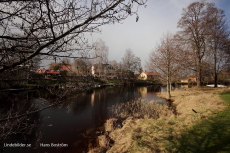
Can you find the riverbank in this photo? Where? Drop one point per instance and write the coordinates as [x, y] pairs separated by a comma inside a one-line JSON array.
[[201, 124], [76, 82]]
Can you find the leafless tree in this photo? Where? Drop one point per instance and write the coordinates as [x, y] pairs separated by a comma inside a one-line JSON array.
[[217, 37], [54, 28], [81, 66], [205, 32], [101, 54], [165, 60], [130, 63], [55, 66], [194, 30], [120, 71], [66, 60]]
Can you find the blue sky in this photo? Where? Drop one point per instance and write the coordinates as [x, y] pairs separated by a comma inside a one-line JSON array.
[[141, 37]]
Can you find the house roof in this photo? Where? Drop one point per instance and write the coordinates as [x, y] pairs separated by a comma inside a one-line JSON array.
[[41, 70], [65, 67], [191, 77], [151, 73]]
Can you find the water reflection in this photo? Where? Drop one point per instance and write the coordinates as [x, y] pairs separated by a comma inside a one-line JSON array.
[[173, 87], [149, 93], [143, 91], [79, 113], [92, 98]]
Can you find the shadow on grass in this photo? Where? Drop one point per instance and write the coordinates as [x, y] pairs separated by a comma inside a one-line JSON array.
[[212, 135]]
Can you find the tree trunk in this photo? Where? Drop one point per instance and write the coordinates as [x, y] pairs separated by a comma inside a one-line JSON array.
[[168, 96], [168, 91], [198, 69], [215, 80], [170, 88], [215, 73]]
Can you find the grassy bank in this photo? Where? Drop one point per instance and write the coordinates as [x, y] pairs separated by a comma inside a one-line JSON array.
[[202, 125], [211, 134]]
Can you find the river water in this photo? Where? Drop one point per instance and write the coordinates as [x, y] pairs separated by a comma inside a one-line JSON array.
[[65, 124]]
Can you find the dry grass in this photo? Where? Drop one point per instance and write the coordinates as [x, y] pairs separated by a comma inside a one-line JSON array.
[[204, 101], [141, 108], [150, 135], [111, 124]]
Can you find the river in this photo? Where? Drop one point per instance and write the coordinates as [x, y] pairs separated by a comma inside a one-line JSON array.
[[64, 125]]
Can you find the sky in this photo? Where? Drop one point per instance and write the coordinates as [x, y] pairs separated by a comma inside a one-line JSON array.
[[141, 37], [159, 17]]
